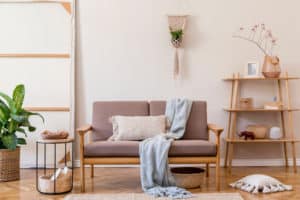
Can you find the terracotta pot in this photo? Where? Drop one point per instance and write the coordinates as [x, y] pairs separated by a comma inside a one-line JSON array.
[[271, 67]]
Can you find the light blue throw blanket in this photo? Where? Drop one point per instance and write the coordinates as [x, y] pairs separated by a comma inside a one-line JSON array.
[[156, 177]]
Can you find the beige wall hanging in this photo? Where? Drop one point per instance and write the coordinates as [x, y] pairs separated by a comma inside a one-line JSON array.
[[177, 24]]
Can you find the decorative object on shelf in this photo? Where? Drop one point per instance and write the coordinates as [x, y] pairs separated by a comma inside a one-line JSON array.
[[252, 69], [58, 179], [14, 119], [275, 133], [275, 105], [271, 67], [246, 103], [247, 134], [260, 131], [188, 177], [177, 25], [50, 135], [265, 41], [259, 183]]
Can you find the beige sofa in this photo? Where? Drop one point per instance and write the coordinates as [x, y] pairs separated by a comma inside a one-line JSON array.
[[193, 148]]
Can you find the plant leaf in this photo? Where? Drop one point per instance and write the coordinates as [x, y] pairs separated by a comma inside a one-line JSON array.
[[31, 128], [21, 130], [25, 112], [19, 118], [4, 114], [21, 141], [4, 108], [18, 96], [9, 141], [9, 101], [12, 126]]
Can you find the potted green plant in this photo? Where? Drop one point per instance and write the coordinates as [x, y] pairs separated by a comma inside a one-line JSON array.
[[13, 119], [176, 37]]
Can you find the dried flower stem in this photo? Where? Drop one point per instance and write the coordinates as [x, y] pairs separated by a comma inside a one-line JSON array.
[[252, 41]]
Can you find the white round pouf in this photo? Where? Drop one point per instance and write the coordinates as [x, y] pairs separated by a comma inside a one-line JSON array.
[[275, 133]]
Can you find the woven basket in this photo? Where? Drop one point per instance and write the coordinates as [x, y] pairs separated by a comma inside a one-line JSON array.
[[188, 177], [9, 165], [62, 184]]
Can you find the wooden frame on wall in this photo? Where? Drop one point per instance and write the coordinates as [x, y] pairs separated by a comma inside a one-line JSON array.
[[69, 7]]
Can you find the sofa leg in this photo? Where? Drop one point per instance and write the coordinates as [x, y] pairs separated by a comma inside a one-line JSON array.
[[82, 177], [92, 170], [207, 169], [218, 176]]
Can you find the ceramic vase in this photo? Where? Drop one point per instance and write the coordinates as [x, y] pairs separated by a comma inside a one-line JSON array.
[[271, 67]]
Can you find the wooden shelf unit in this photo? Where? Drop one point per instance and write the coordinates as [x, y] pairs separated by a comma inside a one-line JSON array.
[[261, 110], [261, 78], [286, 118], [261, 140]]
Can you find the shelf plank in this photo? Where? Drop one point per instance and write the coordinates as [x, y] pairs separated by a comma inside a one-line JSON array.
[[260, 110], [262, 140], [48, 109], [261, 78], [34, 55]]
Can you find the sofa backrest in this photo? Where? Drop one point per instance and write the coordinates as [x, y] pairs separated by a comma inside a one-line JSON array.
[[197, 122], [103, 110]]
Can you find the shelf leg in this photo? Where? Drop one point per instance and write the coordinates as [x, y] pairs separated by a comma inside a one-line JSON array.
[[283, 127], [291, 123], [294, 157], [285, 155], [232, 93], [230, 156], [226, 155]]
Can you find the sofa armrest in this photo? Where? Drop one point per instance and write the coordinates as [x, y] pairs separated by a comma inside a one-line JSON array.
[[84, 129], [81, 132], [215, 129]]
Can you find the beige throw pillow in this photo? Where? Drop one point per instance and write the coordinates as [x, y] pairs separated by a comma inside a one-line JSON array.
[[137, 127]]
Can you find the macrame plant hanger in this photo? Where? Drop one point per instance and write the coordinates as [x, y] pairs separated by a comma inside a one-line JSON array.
[[177, 28]]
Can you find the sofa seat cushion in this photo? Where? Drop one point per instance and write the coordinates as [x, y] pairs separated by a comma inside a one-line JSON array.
[[131, 148]]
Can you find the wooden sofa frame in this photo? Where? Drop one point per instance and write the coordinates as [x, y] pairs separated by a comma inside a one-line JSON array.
[[135, 160]]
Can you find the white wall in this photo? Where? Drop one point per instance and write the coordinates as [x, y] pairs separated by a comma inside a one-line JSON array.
[[124, 53], [38, 28]]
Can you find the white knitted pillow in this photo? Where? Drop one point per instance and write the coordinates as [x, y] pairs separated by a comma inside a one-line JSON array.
[[137, 127], [260, 183]]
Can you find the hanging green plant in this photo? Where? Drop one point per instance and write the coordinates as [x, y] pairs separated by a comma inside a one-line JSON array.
[[14, 118], [177, 35]]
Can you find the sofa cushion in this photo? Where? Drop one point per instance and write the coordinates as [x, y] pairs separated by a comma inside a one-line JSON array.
[[196, 124], [131, 148], [137, 127], [103, 110]]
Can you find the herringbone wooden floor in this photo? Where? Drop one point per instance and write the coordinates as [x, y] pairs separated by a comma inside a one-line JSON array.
[[126, 180]]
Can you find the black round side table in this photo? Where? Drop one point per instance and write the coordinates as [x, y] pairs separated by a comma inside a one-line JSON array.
[[55, 179]]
